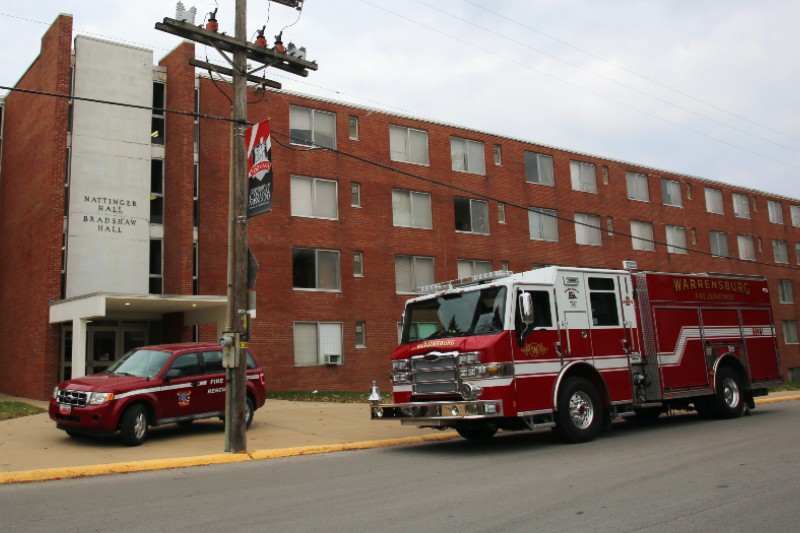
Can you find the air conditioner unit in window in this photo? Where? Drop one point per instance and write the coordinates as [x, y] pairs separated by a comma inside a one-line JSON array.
[[333, 359]]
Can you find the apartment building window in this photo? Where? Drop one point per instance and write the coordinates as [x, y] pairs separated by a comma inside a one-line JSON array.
[[314, 269], [775, 212], [583, 176], [610, 225], [472, 216], [156, 191], [408, 145], [470, 267], [361, 335], [543, 224], [790, 331], [785, 291], [797, 252], [196, 117], [671, 192], [676, 239], [638, 188], [794, 212], [504, 266], [587, 229], [714, 201], [642, 236], [467, 156], [719, 243], [411, 272], [314, 197], [314, 340], [746, 249], [195, 268], [539, 169], [156, 266], [157, 122], [312, 127], [358, 264], [355, 194], [196, 196], [741, 206], [352, 123], [781, 251], [498, 155], [411, 209]]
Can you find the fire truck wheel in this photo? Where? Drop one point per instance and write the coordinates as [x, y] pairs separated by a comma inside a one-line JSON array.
[[134, 425], [728, 401], [476, 432], [580, 415]]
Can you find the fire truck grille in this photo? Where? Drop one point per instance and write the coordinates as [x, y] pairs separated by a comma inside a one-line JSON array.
[[71, 397], [434, 373]]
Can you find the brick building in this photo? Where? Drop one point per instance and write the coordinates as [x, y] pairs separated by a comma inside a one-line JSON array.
[[114, 220]]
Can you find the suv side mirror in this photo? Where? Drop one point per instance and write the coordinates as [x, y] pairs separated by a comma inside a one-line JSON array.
[[172, 373]]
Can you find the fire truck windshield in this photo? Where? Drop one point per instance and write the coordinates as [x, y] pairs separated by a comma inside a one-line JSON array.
[[478, 312]]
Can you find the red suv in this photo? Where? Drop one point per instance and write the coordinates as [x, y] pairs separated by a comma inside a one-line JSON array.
[[151, 386]]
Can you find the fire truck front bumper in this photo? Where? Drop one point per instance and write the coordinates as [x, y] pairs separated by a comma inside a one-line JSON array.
[[437, 414]]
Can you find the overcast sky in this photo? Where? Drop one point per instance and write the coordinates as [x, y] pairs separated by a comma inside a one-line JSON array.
[[707, 88]]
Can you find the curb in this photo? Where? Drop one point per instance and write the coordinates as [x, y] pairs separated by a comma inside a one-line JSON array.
[[50, 474]]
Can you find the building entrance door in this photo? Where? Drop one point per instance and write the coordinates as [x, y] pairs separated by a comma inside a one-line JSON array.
[[104, 345], [102, 348]]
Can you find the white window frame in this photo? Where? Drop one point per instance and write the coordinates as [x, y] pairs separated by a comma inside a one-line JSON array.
[[403, 154], [316, 287], [671, 192], [794, 212], [781, 250], [352, 127], [360, 337], [638, 186], [642, 236], [471, 267], [741, 206], [416, 282], [473, 205], [719, 243], [322, 344], [468, 156], [414, 198], [355, 194], [676, 239], [714, 201], [785, 291], [746, 245], [543, 224], [358, 264], [543, 167], [316, 131], [583, 176], [790, 332], [314, 207], [587, 230], [775, 211]]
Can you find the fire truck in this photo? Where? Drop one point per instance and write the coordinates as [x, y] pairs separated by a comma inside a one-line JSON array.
[[574, 348]]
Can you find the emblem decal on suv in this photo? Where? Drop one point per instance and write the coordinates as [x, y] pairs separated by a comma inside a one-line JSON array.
[[184, 397]]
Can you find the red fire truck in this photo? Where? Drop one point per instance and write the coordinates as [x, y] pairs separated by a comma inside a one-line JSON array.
[[574, 348]]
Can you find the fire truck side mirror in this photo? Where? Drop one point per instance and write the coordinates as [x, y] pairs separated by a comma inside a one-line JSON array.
[[526, 308]]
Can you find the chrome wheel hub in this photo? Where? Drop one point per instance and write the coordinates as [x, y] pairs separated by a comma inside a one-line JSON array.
[[581, 410]]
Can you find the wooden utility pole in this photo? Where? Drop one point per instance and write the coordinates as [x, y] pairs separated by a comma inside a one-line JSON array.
[[234, 358]]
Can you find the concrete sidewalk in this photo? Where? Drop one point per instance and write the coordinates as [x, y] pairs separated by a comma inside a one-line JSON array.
[[31, 448]]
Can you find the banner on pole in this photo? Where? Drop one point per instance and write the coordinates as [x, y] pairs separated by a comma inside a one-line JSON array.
[[259, 169]]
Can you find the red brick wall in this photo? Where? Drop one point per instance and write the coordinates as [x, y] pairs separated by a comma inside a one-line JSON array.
[[369, 229], [32, 218]]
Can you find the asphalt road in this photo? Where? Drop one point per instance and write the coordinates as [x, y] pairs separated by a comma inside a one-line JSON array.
[[683, 474]]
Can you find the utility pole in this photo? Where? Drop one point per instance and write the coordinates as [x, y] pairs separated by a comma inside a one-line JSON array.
[[236, 316]]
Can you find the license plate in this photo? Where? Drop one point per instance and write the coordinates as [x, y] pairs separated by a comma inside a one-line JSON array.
[[64, 409]]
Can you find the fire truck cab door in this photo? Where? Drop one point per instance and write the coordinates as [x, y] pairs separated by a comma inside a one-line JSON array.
[[574, 315]]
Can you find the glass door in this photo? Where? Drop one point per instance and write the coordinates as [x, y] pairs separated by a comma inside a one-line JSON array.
[[102, 348]]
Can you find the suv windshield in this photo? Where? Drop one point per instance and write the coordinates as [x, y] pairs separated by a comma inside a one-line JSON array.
[[479, 312], [140, 363]]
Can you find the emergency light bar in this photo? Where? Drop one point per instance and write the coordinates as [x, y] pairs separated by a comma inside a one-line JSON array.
[[463, 282]]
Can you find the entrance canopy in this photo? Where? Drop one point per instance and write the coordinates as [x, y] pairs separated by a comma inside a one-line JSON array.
[[81, 310]]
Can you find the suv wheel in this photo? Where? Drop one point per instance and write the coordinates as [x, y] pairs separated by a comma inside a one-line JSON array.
[[134, 425]]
